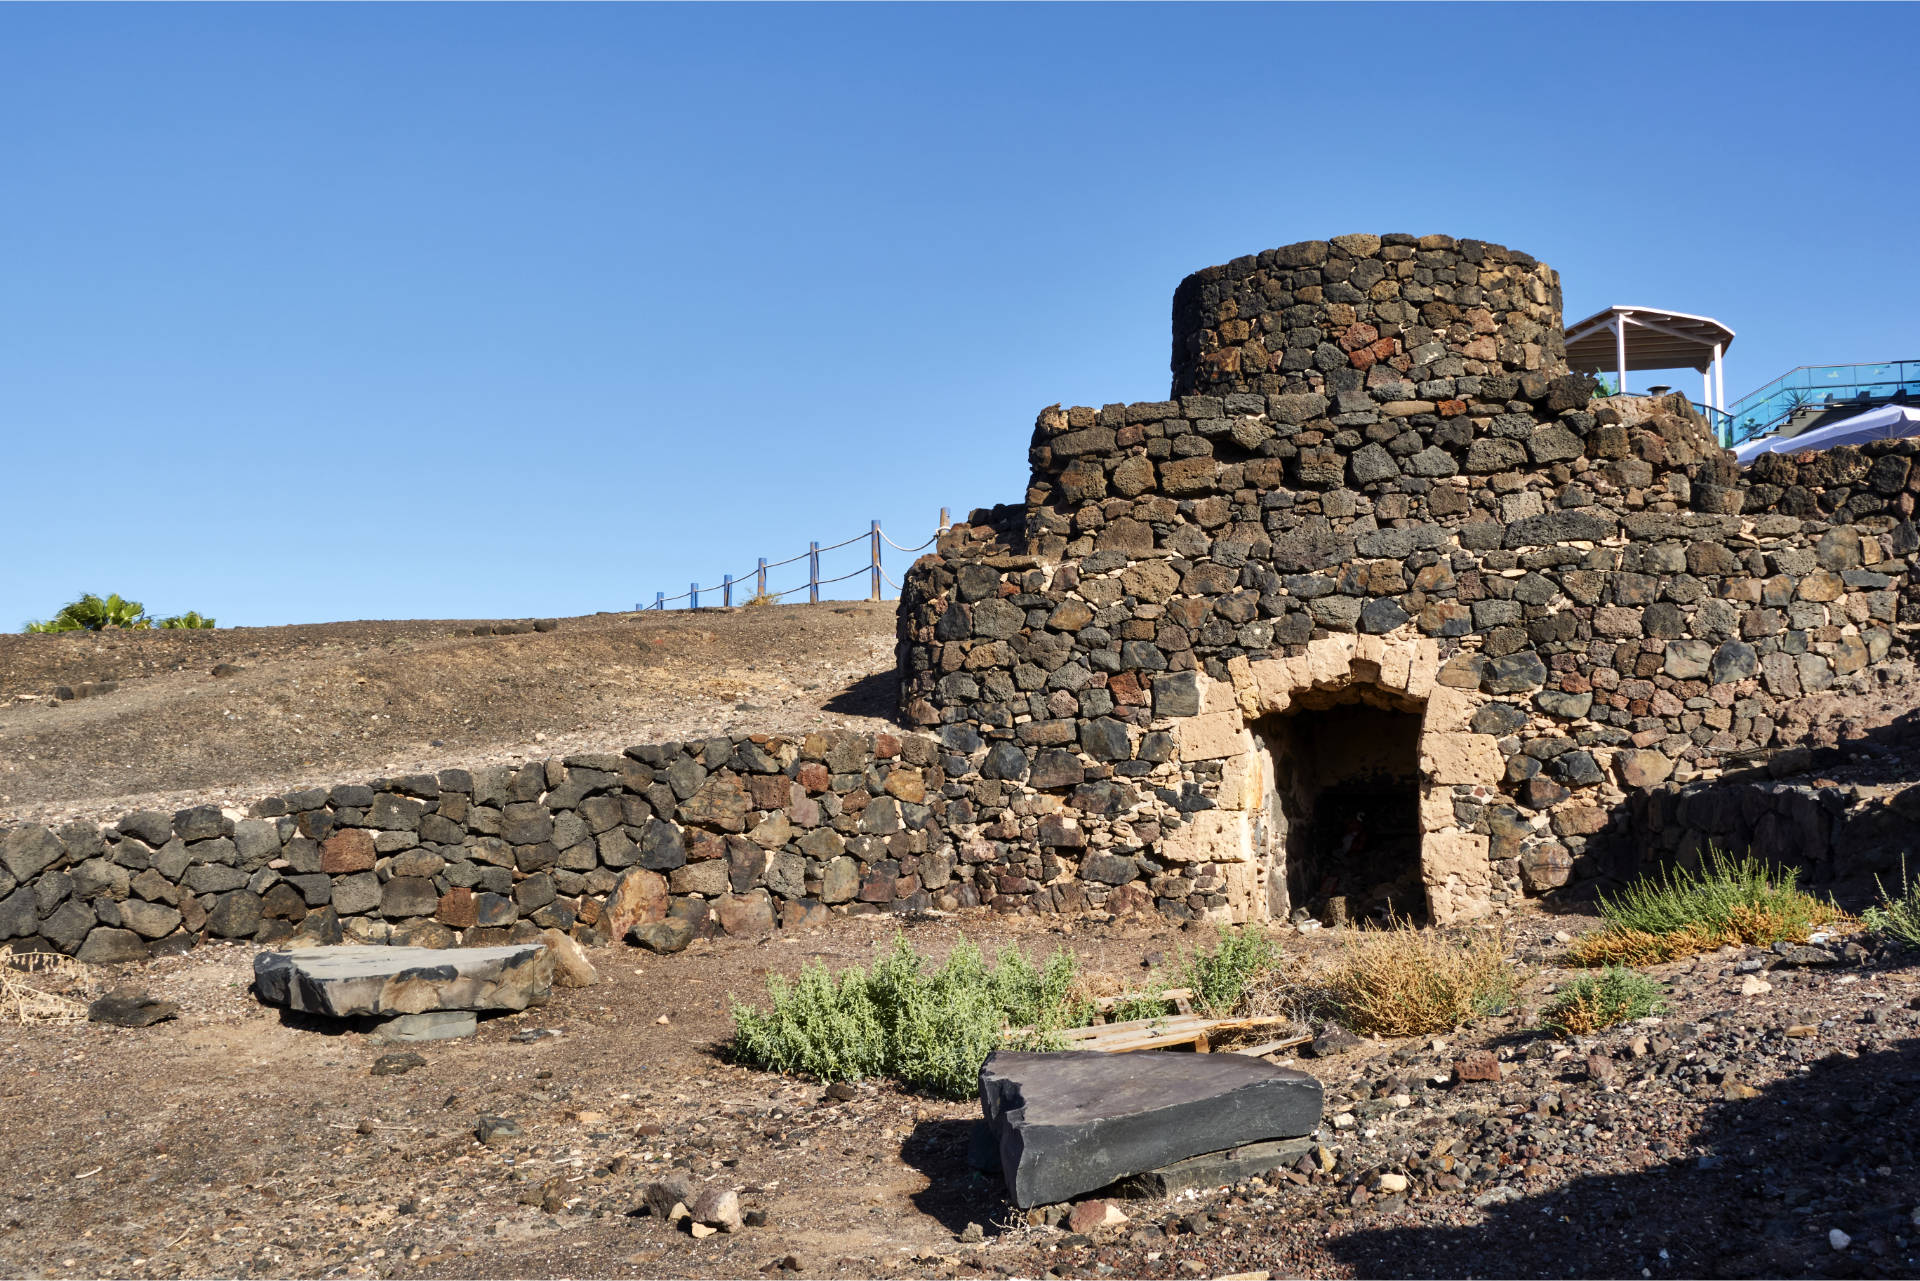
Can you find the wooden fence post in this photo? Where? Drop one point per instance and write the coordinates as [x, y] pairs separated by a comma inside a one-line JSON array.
[[760, 588], [726, 590], [874, 592], [813, 573], [944, 524]]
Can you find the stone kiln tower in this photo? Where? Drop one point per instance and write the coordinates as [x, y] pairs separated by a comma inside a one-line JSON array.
[[1380, 607]]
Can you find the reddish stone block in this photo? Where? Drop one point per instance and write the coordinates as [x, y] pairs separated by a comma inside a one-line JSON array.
[[349, 850], [886, 746], [457, 909], [638, 897], [1358, 335], [770, 791], [1480, 1065], [813, 776]]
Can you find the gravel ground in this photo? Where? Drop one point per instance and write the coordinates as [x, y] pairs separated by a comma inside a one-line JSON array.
[[1732, 1137]]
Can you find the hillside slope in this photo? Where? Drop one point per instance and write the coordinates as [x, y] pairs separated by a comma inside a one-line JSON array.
[[334, 702]]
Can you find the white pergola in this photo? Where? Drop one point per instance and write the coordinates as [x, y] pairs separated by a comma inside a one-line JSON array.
[[1661, 340]]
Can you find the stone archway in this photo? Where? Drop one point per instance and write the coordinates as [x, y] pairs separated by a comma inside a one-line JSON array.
[[1247, 837]]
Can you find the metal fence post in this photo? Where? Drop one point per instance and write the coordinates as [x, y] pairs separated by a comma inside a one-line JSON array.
[[694, 592], [874, 592], [813, 573], [760, 588], [726, 590], [660, 600]]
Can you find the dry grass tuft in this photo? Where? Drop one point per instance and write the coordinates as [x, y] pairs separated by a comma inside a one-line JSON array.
[[1405, 981], [30, 984]]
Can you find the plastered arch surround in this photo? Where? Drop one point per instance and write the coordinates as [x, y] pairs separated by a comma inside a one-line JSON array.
[[1454, 761]]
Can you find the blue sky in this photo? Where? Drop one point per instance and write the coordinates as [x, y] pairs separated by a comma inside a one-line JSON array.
[[321, 312]]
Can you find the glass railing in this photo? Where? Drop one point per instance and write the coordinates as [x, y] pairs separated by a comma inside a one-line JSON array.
[[1719, 419], [1819, 388]]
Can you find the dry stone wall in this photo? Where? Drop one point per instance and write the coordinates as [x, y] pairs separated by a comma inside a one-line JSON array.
[[1375, 485], [735, 834], [1377, 480]]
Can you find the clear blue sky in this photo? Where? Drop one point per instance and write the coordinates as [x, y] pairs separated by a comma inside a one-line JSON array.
[[321, 312]]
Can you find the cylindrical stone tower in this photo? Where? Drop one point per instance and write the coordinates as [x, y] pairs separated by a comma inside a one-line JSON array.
[[1355, 313]]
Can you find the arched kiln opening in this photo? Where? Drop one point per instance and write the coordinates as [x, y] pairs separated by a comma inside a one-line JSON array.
[[1341, 823]]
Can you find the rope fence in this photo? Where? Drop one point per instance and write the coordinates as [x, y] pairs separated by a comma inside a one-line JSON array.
[[876, 574]]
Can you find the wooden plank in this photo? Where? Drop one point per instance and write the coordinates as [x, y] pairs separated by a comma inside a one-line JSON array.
[[1271, 1047], [1171, 1031], [1171, 1023]]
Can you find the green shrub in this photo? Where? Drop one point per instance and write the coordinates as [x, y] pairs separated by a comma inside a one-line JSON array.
[[1680, 912], [1219, 977], [92, 613], [1130, 1008], [1594, 1001], [1897, 918], [929, 1031]]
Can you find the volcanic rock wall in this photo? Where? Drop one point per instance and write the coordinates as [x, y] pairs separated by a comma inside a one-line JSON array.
[[1381, 484], [1378, 494], [728, 834]]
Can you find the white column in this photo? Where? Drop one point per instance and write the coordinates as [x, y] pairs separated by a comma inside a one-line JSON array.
[[1719, 378], [1706, 381], [1620, 349]]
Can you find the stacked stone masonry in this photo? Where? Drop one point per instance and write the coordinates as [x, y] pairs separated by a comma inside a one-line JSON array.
[[1382, 565], [1379, 484], [736, 834]]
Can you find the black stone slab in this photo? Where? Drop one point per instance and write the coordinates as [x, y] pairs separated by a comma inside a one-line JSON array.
[[1075, 1121], [1213, 1169]]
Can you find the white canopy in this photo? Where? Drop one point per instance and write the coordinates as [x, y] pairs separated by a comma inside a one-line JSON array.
[[1661, 340], [1885, 423]]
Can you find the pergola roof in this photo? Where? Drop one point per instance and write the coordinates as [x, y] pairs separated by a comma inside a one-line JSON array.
[[1656, 339]]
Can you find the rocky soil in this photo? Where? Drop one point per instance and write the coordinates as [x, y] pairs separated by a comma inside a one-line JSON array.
[[226, 716], [1763, 1126]]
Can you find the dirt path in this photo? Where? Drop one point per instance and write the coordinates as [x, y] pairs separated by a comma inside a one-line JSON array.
[[1728, 1138]]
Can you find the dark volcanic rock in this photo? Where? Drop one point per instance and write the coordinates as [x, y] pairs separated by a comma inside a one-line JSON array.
[[129, 1007], [1071, 1122]]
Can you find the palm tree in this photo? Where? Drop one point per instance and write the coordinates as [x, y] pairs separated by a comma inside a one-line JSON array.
[[92, 614]]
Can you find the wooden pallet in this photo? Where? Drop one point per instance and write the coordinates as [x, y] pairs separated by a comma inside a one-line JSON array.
[[1179, 1031]]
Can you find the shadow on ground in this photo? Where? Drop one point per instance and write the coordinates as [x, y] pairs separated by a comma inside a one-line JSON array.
[[876, 695], [956, 1194], [1832, 1147]]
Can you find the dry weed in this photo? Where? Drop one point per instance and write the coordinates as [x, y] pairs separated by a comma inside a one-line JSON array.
[[1403, 981], [24, 984]]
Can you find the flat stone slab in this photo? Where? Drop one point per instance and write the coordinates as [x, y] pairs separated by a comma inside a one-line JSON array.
[[1214, 1169], [434, 1025], [1069, 1123], [343, 982]]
